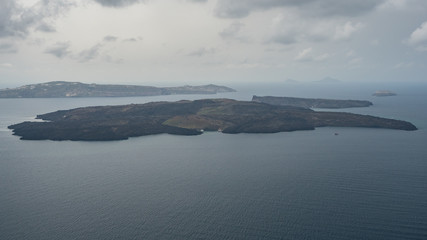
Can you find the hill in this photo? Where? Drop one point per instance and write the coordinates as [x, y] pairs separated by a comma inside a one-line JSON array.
[[311, 102], [77, 89]]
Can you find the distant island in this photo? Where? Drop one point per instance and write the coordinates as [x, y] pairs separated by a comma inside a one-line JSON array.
[[384, 93], [311, 102], [189, 118], [61, 89]]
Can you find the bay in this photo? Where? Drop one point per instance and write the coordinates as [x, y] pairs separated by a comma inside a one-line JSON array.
[[360, 184]]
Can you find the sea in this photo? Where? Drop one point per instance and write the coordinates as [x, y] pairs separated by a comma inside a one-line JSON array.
[[327, 183]]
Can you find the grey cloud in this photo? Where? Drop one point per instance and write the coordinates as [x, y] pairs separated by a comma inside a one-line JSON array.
[[62, 50], [90, 53], [307, 55], [110, 38], [232, 30], [110, 59], [418, 38], [288, 30], [7, 48], [133, 39], [202, 52], [16, 21], [44, 27], [9, 24], [6, 65], [117, 3], [286, 38], [343, 8], [242, 8], [59, 50]]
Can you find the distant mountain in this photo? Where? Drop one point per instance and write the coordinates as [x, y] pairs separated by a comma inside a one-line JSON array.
[[61, 89]]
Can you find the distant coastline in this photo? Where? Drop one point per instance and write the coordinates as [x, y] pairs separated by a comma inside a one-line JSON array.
[[62, 89]]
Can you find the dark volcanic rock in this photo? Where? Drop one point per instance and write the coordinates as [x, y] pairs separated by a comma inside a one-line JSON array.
[[188, 118], [311, 102]]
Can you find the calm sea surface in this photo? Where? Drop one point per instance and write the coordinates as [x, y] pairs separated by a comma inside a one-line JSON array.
[[360, 184]]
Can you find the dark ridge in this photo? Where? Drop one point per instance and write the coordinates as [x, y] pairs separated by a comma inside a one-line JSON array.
[[311, 102]]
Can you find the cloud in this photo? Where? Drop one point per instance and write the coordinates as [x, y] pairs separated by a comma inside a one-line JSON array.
[[59, 50], [133, 39], [16, 20], [285, 29], [395, 4], [324, 8], [232, 30], [202, 52], [418, 38], [327, 8], [110, 38], [404, 65], [290, 29], [62, 50], [130, 40], [306, 55], [110, 59], [344, 32], [355, 61], [44, 27], [117, 3], [91, 53], [6, 65], [8, 48], [375, 42], [9, 21]]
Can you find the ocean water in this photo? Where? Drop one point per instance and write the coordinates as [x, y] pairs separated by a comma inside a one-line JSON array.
[[360, 184]]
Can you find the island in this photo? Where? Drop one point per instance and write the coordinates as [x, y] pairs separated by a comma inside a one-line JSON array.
[[311, 102], [104, 123], [383, 93], [60, 89]]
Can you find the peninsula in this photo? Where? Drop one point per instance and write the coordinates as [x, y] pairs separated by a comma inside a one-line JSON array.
[[76, 89], [189, 118], [311, 102]]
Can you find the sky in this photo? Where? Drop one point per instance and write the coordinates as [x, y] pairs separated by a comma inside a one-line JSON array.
[[177, 42]]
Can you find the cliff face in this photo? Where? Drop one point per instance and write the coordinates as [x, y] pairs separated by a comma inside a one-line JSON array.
[[188, 118], [311, 102], [76, 89]]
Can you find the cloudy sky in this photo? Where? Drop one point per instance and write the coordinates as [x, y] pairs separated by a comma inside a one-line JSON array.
[[175, 42]]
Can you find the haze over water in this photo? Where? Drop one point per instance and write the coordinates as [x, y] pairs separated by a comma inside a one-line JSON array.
[[360, 184]]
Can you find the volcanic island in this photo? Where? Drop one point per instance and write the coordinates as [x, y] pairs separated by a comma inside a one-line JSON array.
[[104, 123]]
